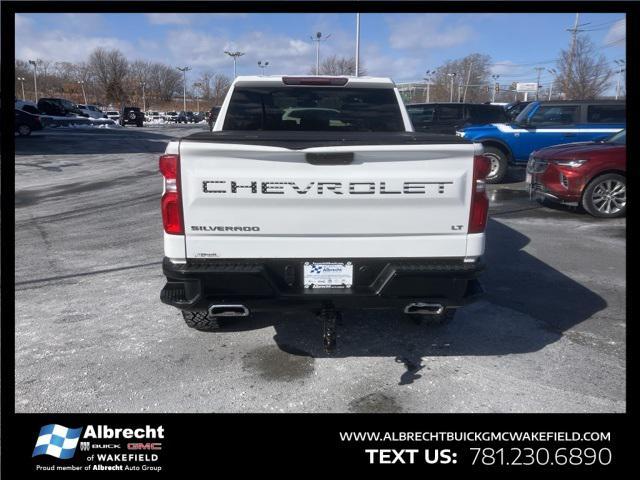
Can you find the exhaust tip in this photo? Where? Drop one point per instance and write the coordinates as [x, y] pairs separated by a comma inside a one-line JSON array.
[[228, 311], [419, 308]]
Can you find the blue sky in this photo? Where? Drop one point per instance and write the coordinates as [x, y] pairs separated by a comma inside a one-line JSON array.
[[401, 46]]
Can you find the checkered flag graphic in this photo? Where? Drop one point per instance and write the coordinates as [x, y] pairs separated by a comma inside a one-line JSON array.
[[316, 269], [57, 441]]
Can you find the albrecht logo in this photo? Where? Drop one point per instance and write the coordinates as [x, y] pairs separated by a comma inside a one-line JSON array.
[[57, 441]]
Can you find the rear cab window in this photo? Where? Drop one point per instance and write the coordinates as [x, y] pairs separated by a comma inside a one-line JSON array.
[[606, 114], [315, 108]]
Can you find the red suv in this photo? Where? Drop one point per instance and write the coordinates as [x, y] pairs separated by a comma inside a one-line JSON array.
[[590, 174]]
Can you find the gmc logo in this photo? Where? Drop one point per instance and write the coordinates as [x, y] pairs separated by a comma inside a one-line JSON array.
[[144, 446]]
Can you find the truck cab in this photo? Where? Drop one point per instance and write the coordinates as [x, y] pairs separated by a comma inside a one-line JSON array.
[[544, 124]]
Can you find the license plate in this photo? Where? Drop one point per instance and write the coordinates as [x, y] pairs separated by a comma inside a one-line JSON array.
[[328, 275]]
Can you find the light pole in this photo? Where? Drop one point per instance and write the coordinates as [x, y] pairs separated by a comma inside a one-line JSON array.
[[427, 78], [83, 94], [318, 38], [184, 71], [466, 85], [620, 64], [144, 100], [197, 85], [452, 75], [235, 56], [539, 69], [553, 72], [35, 78], [357, 44], [21, 80], [263, 65], [495, 83]]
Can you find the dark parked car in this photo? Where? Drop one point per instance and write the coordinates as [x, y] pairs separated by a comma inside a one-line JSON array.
[[185, 117], [59, 107], [132, 115], [513, 109], [212, 116], [30, 109], [25, 123], [449, 117], [590, 174]]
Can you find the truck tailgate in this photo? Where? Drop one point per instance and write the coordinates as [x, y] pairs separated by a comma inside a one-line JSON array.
[[258, 201]]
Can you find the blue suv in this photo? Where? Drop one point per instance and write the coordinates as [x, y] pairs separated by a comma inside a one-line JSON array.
[[543, 124]]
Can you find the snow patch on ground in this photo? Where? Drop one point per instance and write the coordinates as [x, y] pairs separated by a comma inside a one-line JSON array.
[[156, 121], [91, 125]]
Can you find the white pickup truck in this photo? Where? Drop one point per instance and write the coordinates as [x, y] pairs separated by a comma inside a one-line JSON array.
[[315, 193]]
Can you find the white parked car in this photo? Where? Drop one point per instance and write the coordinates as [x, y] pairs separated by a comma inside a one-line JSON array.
[[92, 111], [171, 116], [113, 115]]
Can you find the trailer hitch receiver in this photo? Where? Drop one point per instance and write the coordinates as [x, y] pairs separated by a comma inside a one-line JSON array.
[[329, 317]]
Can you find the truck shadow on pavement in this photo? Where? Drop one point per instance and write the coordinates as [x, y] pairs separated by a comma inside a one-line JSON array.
[[528, 305]]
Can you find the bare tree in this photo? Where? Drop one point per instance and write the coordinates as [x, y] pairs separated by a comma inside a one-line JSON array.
[[205, 81], [24, 70], [471, 72], [139, 71], [44, 77], [108, 77], [110, 68], [335, 65], [221, 84], [164, 81], [587, 75]]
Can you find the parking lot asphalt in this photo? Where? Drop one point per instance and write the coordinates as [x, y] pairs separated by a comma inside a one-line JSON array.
[[93, 336]]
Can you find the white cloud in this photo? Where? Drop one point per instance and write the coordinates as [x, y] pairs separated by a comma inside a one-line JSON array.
[[22, 22], [83, 21], [401, 69], [618, 31], [187, 18], [60, 45], [506, 67], [427, 31], [169, 18], [285, 54]]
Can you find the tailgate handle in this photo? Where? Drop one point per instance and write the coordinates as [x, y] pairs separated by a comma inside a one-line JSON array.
[[329, 158]]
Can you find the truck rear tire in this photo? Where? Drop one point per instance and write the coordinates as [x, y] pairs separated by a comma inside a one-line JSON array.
[[435, 320], [201, 321], [499, 164]]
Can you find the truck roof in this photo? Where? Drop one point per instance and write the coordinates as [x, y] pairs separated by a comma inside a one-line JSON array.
[[277, 80]]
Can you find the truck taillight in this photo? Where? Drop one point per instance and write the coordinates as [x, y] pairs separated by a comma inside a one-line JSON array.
[[171, 203], [479, 199]]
